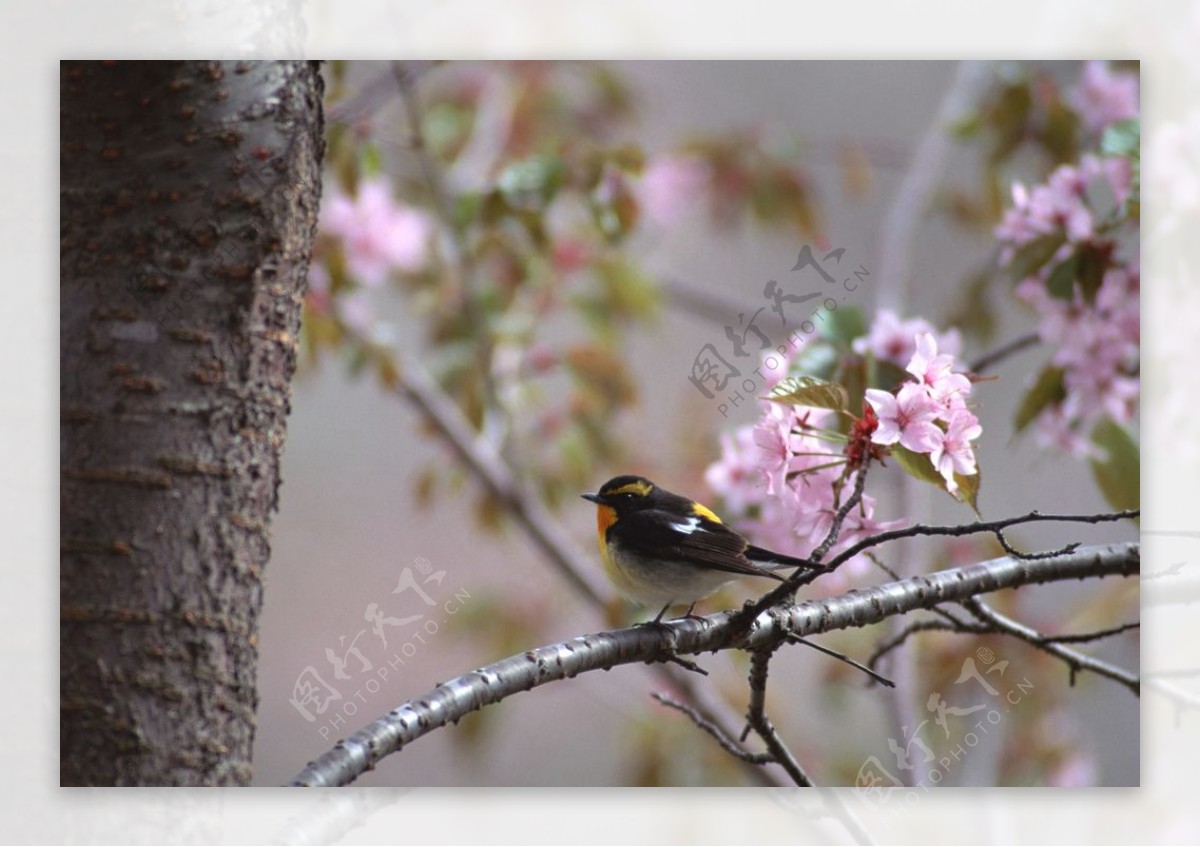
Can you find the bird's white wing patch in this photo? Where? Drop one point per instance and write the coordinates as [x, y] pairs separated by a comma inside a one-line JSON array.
[[687, 527]]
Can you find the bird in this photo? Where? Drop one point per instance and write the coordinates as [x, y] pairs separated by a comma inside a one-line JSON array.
[[659, 547]]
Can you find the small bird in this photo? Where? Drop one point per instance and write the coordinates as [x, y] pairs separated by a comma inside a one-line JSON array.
[[661, 548]]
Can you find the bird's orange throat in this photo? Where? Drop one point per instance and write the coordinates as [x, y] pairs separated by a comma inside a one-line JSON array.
[[606, 516]]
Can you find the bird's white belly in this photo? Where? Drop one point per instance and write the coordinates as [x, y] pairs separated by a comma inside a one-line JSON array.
[[659, 583]]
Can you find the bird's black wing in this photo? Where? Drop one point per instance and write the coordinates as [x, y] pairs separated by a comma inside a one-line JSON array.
[[690, 540], [760, 554]]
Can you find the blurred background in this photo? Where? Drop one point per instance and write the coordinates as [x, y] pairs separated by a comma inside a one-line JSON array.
[[616, 218]]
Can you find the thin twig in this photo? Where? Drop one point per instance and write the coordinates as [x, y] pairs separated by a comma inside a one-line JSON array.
[[1075, 660], [480, 457], [787, 589], [835, 528], [756, 715], [880, 678], [1012, 551], [728, 744], [1080, 637], [913, 628], [998, 355], [976, 528], [687, 665]]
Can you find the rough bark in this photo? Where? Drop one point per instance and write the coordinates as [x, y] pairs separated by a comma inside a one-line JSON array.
[[189, 195]]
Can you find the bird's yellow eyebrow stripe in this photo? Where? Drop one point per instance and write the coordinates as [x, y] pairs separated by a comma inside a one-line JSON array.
[[640, 488], [705, 512]]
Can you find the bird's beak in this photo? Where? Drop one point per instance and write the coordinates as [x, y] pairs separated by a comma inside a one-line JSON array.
[[595, 498]]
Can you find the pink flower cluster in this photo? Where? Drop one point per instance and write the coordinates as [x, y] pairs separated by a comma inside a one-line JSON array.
[[378, 234], [1097, 343], [1098, 348], [893, 340], [1103, 98], [781, 476], [930, 415], [1061, 204]]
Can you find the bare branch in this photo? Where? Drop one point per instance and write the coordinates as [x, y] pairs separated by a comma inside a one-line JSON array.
[[1049, 554], [835, 528], [481, 458], [727, 744], [1075, 660], [449, 702], [995, 357], [1079, 637], [756, 715], [919, 626], [787, 589], [880, 678]]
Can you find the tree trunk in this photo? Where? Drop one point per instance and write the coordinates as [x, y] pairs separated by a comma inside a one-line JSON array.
[[189, 195]]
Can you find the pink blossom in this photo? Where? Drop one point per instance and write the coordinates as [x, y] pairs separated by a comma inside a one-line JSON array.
[[778, 445], [670, 185], [893, 340], [736, 477], [905, 417], [934, 371], [806, 489], [378, 234], [1044, 209], [356, 310], [1053, 428], [953, 453], [1103, 97]]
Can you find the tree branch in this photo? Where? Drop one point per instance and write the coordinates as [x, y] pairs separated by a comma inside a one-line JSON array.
[[756, 715], [417, 386], [788, 588], [996, 356], [1075, 660], [451, 701], [728, 744]]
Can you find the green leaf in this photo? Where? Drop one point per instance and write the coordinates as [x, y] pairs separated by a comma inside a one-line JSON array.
[[1119, 474], [1033, 255], [1092, 264], [1060, 132], [625, 290], [816, 358], [968, 489], [1122, 139], [1061, 282], [1047, 390], [369, 161], [888, 376], [532, 183], [844, 325], [919, 466], [809, 391], [853, 375]]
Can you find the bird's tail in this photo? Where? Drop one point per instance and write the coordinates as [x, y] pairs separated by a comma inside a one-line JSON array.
[[769, 558]]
